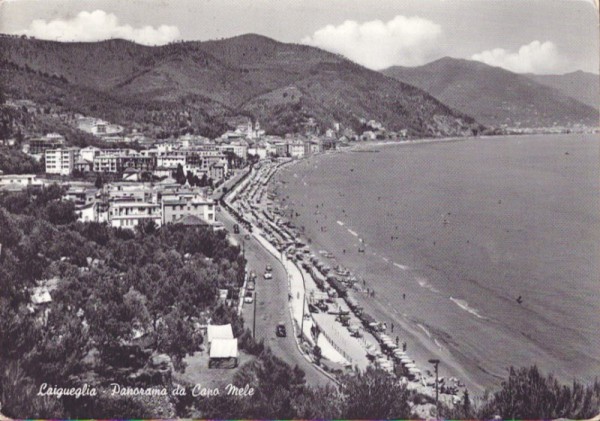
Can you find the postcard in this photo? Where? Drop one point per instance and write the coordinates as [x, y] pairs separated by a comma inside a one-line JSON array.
[[316, 209]]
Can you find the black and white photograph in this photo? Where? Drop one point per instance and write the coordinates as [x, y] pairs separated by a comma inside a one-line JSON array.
[[299, 209]]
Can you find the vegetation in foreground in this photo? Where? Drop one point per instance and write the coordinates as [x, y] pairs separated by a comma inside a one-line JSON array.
[[114, 283]]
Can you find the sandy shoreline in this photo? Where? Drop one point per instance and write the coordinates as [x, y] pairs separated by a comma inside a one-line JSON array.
[[506, 237], [422, 346]]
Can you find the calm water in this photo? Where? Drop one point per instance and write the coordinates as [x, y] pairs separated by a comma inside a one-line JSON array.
[[463, 229]]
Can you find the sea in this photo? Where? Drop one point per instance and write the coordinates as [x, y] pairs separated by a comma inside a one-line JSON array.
[[483, 253]]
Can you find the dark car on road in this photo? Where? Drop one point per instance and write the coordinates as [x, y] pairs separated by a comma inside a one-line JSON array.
[[280, 330]]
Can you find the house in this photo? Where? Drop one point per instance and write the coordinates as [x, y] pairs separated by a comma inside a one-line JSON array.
[[296, 149], [87, 212], [258, 151], [81, 195], [192, 221], [180, 204], [132, 174], [83, 165], [239, 148], [217, 171], [128, 214], [106, 163], [37, 146], [171, 160], [89, 153], [19, 179], [118, 160], [281, 148]]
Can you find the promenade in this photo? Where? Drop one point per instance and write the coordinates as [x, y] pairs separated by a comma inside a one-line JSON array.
[[335, 342], [318, 313]]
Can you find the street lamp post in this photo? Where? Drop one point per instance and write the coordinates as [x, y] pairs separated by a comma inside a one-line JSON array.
[[254, 316], [302, 322], [436, 363]]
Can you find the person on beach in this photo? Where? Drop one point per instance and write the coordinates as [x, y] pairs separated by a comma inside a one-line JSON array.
[[392, 328], [397, 340], [404, 296], [404, 346]]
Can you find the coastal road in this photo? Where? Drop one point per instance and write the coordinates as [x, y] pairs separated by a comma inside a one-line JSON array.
[[272, 304]]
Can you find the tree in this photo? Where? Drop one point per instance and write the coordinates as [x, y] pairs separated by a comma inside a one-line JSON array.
[[99, 182], [179, 174], [466, 405], [190, 178], [374, 394], [529, 394], [60, 212], [176, 337]]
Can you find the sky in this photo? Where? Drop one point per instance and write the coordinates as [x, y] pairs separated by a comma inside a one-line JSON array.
[[524, 36]]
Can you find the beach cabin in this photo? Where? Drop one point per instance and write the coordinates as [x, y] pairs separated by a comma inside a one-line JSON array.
[[223, 353], [222, 346]]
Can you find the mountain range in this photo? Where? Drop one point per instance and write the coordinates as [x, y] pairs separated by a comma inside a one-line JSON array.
[[580, 85], [497, 97], [201, 87]]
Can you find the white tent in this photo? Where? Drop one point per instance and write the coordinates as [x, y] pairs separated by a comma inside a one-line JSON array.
[[218, 332], [224, 348]]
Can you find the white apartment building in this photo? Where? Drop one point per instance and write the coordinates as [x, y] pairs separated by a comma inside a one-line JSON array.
[[170, 160], [61, 161], [131, 214]]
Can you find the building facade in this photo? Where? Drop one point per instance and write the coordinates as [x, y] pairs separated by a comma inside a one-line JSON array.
[[61, 161]]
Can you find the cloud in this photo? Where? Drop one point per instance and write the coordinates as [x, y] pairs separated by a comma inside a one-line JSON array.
[[535, 57], [99, 25], [408, 41]]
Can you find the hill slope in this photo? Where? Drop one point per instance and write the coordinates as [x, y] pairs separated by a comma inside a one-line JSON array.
[[199, 86], [584, 87], [493, 95]]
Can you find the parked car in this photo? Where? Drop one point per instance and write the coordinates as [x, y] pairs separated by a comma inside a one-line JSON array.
[[280, 330], [249, 298], [268, 268], [250, 286], [268, 275]]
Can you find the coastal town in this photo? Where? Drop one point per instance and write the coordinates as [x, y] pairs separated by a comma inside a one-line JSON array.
[[225, 185], [295, 210]]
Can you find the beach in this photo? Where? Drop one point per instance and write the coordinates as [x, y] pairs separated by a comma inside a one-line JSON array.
[[453, 234]]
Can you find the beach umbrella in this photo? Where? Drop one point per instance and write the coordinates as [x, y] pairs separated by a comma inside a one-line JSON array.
[[410, 365]]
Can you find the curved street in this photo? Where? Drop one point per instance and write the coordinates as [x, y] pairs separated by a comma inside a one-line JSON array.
[[272, 303]]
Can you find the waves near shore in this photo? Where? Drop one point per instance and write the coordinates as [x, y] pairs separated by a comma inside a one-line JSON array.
[[432, 218]]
